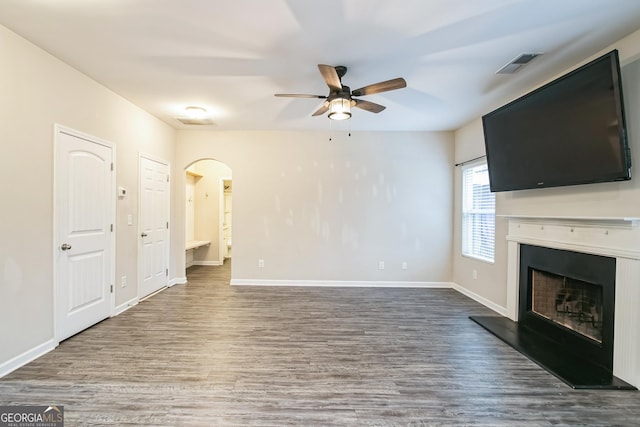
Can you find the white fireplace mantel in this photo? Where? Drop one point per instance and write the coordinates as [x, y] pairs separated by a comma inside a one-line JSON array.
[[608, 236], [602, 220], [617, 237]]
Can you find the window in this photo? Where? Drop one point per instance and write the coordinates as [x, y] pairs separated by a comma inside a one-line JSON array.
[[478, 213]]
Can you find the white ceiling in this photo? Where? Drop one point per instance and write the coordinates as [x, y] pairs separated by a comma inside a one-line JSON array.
[[232, 56]]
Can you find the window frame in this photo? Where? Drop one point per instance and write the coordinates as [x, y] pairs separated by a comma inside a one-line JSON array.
[[475, 251]]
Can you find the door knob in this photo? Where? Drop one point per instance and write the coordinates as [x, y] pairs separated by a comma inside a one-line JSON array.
[[65, 247], [143, 234]]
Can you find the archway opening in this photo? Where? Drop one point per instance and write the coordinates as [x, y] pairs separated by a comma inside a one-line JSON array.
[[208, 213]]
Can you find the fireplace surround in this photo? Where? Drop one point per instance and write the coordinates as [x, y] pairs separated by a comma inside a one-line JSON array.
[[575, 295], [615, 238]]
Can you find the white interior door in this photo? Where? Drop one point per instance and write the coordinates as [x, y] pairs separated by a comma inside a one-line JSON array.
[[84, 209], [154, 225]]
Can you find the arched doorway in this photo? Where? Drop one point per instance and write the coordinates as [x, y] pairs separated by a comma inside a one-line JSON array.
[[208, 213]]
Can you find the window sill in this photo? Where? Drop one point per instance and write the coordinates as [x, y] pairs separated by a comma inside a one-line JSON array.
[[476, 258]]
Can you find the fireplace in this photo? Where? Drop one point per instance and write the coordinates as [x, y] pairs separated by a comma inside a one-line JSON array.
[[547, 306], [568, 298]]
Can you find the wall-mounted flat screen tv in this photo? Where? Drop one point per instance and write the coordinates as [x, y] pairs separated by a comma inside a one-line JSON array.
[[570, 131]]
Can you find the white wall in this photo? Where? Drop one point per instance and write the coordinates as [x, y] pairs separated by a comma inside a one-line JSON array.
[[37, 91], [604, 200], [322, 210]]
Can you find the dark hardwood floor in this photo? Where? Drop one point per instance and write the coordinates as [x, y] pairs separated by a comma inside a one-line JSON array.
[[207, 353]]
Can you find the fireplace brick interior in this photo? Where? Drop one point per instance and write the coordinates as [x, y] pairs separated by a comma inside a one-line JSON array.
[[568, 302]]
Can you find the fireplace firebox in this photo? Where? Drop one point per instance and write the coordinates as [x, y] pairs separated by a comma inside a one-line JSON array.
[[568, 302]]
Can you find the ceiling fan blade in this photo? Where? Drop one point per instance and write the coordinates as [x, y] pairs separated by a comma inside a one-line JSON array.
[[385, 86], [330, 76], [369, 106], [299, 95], [320, 111]]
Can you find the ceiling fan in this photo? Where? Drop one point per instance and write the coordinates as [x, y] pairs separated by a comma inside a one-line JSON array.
[[340, 98]]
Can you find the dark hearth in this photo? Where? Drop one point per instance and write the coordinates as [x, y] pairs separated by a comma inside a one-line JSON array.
[[577, 373]]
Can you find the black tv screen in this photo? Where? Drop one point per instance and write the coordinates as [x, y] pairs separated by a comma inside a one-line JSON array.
[[570, 131]]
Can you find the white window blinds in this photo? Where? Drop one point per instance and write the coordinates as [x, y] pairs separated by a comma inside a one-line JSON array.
[[478, 213]]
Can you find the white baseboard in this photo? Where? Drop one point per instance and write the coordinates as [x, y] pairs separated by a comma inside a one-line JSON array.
[[154, 293], [126, 306], [482, 300], [177, 281], [28, 356], [340, 283], [209, 263]]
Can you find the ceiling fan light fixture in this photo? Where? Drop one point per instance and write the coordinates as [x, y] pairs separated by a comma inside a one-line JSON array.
[[339, 101], [340, 109]]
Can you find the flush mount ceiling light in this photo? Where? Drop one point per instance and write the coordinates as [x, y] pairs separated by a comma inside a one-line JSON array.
[[340, 109], [195, 112], [194, 115]]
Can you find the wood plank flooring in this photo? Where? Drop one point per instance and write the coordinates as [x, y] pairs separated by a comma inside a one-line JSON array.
[[208, 354]]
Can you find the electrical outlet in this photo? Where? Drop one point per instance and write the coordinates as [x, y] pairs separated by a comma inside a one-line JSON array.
[[261, 263], [381, 265], [475, 274], [404, 265], [123, 281]]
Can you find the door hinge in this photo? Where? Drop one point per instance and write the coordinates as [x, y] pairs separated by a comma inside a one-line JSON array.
[[166, 272], [167, 225], [167, 178], [111, 228], [112, 166], [111, 288]]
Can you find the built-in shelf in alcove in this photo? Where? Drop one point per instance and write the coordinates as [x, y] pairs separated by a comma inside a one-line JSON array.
[[193, 174], [195, 244]]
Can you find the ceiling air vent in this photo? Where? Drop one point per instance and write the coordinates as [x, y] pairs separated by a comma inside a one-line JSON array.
[[190, 121], [517, 63]]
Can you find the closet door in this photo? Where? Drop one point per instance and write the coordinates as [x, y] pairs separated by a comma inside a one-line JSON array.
[[154, 226], [84, 213]]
